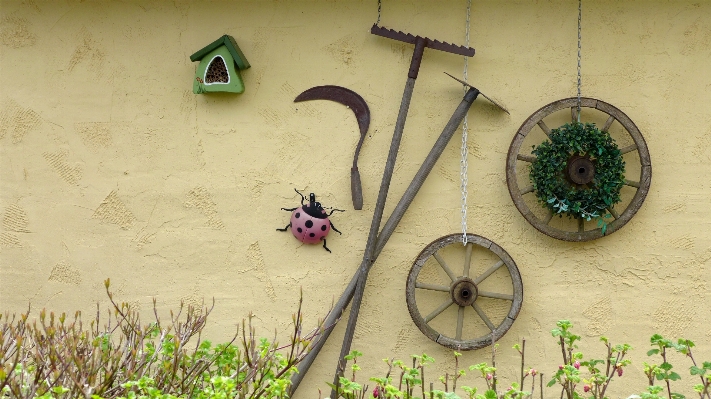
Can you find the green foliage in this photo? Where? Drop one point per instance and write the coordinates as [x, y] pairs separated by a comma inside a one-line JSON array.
[[579, 376], [56, 359], [553, 189], [596, 374], [409, 379], [664, 371], [123, 358]]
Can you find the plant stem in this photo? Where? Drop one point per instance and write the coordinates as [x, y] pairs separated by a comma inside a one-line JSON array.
[[523, 350], [493, 362], [611, 374], [422, 377], [664, 357], [562, 348]]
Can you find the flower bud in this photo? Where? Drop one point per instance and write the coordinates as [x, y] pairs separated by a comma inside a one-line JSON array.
[[576, 365], [560, 367], [586, 388], [376, 392], [619, 371], [533, 372], [489, 376]]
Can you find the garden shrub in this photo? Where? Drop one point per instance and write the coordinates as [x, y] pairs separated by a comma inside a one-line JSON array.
[[120, 356]]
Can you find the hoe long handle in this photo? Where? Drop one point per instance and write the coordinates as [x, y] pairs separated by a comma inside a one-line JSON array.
[[425, 169]]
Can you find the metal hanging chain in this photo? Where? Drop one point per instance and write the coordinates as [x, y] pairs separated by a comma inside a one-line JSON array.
[[463, 164], [580, 18], [380, 5]]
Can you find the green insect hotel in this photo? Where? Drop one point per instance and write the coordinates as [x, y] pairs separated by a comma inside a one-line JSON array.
[[220, 63]]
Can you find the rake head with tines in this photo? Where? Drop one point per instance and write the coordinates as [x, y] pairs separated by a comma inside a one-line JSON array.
[[420, 44]]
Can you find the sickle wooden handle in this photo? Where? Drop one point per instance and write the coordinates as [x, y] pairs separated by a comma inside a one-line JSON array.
[[356, 189]]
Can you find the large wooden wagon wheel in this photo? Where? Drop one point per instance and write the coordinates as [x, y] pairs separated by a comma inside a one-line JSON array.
[[464, 291], [516, 160]]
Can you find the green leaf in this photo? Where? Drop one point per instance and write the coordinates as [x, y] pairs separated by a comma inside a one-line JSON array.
[[674, 376], [654, 339], [490, 394], [652, 352]]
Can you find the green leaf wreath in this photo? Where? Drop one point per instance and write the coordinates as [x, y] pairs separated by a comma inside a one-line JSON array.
[[557, 193]]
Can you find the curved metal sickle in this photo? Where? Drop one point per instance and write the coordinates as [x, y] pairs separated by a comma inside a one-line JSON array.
[[359, 107]]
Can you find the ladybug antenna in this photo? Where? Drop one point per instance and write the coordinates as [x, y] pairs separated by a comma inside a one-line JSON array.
[[334, 210], [302, 196], [312, 198]]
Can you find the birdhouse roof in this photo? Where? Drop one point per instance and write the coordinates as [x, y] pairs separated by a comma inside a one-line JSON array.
[[229, 42]]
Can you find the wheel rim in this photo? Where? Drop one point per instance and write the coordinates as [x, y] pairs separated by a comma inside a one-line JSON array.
[[515, 159], [464, 291]]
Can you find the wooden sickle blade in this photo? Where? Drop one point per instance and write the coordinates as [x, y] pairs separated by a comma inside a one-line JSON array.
[[357, 104]]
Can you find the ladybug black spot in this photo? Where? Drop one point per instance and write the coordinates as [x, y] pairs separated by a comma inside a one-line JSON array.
[[309, 224], [312, 235], [297, 215], [323, 228], [299, 230]]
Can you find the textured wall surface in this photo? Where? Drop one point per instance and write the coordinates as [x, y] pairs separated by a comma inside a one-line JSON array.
[[111, 167]]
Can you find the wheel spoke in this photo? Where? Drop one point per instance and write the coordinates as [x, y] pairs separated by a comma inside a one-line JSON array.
[[433, 287], [447, 303], [544, 127], [526, 158], [613, 212], [468, 259], [496, 295], [581, 225], [527, 190], [632, 183], [483, 316], [460, 322], [488, 273], [444, 266], [608, 123], [627, 149], [549, 216]]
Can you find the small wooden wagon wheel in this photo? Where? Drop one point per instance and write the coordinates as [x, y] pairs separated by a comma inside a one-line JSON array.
[[464, 291], [516, 160]]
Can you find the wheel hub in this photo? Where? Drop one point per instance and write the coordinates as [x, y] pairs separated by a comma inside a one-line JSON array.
[[464, 292], [580, 169]]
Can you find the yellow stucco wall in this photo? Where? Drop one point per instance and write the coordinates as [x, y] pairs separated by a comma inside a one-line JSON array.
[[111, 167]]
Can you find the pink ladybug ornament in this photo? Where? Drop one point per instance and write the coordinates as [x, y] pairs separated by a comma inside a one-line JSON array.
[[309, 222]]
